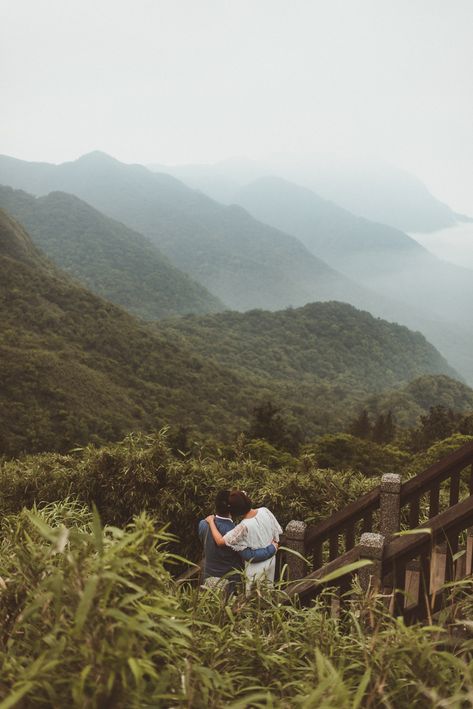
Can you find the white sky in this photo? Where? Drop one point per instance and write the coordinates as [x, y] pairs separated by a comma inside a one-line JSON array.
[[180, 81]]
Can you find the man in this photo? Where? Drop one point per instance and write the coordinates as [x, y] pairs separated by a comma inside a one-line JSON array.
[[221, 561]]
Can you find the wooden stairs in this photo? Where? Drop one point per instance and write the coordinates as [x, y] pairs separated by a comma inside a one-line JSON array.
[[410, 568]]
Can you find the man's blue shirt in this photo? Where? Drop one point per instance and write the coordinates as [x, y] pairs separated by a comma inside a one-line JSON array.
[[219, 561]]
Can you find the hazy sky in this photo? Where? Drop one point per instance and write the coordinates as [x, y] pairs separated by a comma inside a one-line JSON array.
[[179, 81]]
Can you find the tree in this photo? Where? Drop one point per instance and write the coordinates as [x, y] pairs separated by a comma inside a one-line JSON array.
[[268, 424], [384, 428], [438, 424], [361, 425]]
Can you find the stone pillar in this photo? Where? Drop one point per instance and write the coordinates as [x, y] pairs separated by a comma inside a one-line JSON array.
[[371, 547], [295, 533], [390, 504]]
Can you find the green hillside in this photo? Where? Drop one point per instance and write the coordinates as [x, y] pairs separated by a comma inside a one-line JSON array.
[[107, 257], [330, 341], [323, 360], [416, 398], [76, 368], [245, 263], [408, 284]]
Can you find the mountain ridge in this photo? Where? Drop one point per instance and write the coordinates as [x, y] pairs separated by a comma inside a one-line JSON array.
[[108, 258]]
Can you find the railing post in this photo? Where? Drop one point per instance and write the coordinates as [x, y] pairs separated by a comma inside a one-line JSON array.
[[390, 504], [469, 550], [371, 547], [295, 533]]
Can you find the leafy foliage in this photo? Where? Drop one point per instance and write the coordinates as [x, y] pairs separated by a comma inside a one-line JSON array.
[[91, 618], [142, 473], [77, 369]]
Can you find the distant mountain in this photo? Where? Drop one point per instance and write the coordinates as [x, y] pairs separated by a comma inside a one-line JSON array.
[[371, 189], [245, 263], [358, 246], [76, 368], [107, 257], [416, 398], [347, 351], [417, 288]]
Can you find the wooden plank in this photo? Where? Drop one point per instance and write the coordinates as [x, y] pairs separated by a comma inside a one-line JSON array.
[[414, 512], [454, 488], [368, 521], [399, 585], [333, 545], [437, 568], [350, 536], [318, 556], [469, 552], [434, 500], [412, 584], [452, 548]]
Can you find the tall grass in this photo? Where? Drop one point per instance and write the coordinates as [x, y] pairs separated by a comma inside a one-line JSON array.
[[91, 617]]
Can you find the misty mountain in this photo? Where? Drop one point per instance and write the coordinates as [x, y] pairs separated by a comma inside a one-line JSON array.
[[373, 190], [417, 288], [107, 257], [76, 368], [245, 263], [356, 245]]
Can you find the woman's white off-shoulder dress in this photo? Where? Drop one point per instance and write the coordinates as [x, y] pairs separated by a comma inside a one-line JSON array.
[[256, 532]]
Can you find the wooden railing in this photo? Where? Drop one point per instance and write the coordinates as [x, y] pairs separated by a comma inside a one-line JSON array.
[[414, 567], [341, 532], [412, 570], [342, 524], [430, 481]]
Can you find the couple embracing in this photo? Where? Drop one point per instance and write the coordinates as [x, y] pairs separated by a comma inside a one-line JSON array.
[[249, 546]]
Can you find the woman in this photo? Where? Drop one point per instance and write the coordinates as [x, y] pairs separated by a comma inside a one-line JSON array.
[[258, 528]]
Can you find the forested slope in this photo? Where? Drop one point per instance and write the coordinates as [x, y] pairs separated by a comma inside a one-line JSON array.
[[109, 258], [329, 341], [76, 368]]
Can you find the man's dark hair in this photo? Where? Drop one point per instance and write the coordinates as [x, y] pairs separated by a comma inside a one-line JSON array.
[[222, 506], [240, 503]]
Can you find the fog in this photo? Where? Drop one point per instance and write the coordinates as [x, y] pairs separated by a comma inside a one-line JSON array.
[[454, 244], [179, 81]]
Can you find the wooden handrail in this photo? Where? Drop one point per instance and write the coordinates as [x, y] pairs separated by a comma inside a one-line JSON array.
[[340, 521], [353, 512], [454, 519], [437, 472]]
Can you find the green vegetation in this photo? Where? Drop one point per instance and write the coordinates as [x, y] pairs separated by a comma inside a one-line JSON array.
[[91, 615], [407, 403], [107, 257], [402, 280], [331, 341], [78, 369]]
